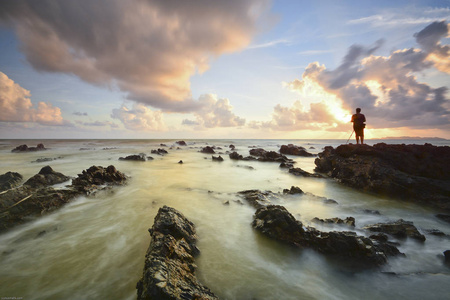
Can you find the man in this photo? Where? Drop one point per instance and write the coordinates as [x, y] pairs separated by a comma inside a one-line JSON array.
[[358, 120]]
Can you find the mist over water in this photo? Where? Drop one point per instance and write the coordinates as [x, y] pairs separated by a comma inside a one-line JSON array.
[[94, 247]]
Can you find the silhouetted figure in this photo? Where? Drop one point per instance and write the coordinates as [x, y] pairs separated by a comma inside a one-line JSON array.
[[358, 120]]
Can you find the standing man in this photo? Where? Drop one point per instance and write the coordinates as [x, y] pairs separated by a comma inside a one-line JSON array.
[[358, 120]]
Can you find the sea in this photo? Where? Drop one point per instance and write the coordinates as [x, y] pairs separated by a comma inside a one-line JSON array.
[[94, 247]]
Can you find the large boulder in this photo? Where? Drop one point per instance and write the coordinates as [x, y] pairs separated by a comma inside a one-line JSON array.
[[291, 149], [208, 149], [46, 176], [276, 222], [419, 173], [169, 270], [10, 180]]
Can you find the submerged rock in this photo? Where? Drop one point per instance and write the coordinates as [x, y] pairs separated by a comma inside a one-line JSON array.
[[419, 173], [10, 180], [300, 172], [399, 229], [159, 151], [290, 149], [169, 270], [276, 222], [25, 148]]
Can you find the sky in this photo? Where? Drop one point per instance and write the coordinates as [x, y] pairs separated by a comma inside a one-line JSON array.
[[223, 69]]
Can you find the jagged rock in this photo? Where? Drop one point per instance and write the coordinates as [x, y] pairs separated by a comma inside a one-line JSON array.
[[269, 156], [169, 271], [219, 158], [276, 222], [256, 198], [294, 190], [135, 157], [398, 229], [25, 148], [181, 143], [46, 176], [350, 221], [290, 149], [419, 173], [286, 165], [208, 149], [300, 172], [90, 180], [159, 151], [10, 180], [444, 217]]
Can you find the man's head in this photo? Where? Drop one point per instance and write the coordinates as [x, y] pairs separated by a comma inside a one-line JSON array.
[[358, 110]]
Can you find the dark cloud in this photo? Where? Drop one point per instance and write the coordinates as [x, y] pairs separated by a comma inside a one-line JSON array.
[[149, 48], [81, 114]]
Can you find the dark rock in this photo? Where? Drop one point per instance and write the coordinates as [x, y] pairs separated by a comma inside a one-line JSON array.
[[447, 257], [330, 201], [159, 151], [381, 237], [276, 222], [219, 158], [399, 229], [269, 156], [290, 149], [90, 180], [25, 148], [350, 221], [436, 232], [236, 156], [140, 157], [418, 173], [371, 211], [10, 180], [180, 162], [256, 198], [232, 147], [169, 270], [181, 143], [286, 165], [163, 145], [46, 177], [294, 190], [300, 172], [208, 149], [444, 217]]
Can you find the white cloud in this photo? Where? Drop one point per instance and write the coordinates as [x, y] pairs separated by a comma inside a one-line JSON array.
[[16, 105], [139, 118]]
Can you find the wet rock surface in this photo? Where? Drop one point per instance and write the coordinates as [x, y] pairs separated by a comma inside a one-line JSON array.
[[134, 157], [350, 221], [10, 180], [419, 173], [37, 196], [291, 149], [399, 229], [277, 223], [159, 151], [169, 270], [301, 172], [25, 148]]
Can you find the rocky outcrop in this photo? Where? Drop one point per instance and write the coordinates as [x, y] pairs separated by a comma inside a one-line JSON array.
[[291, 149], [208, 149], [37, 197], [134, 157], [350, 221], [159, 151], [10, 180], [399, 229], [46, 176], [169, 270], [257, 198], [270, 156], [218, 158], [301, 172], [294, 190], [181, 143], [277, 223], [419, 173], [25, 148]]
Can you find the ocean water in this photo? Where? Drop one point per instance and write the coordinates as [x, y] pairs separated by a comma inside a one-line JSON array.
[[94, 247]]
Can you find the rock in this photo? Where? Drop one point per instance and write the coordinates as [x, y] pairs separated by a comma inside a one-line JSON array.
[[45, 177], [276, 222], [447, 257], [371, 211], [381, 237], [10, 180], [208, 149], [159, 151], [286, 165], [256, 198], [163, 145], [330, 201], [444, 217], [269, 156], [436, 232], [169, 270], [232, 147], [226, 202], [294, 190], [300, 172], [418, 173], [90, 180], [219, 158], [180, 162], [140, 157], [236, 156], [290, 149], [181, 143], [350, 221], [399, 229], [25, 148]]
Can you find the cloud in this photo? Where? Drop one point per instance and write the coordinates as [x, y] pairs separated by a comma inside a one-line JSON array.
[[16, 106], [139, 118], [148, 48], [100, 124], [383, 86], [214, 112], [270, 44], [77, 113]]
